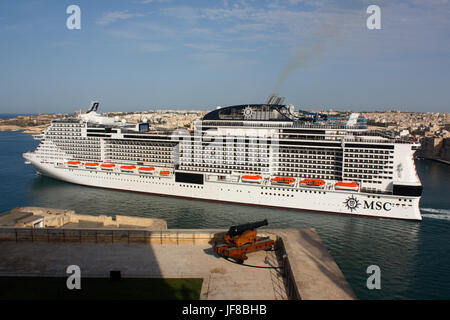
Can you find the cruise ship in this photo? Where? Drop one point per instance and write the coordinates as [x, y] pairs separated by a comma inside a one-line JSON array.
[[254, 154]]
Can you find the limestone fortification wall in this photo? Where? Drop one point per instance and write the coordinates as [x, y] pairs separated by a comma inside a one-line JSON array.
[[57, 218], [113, 236], [435, 148]]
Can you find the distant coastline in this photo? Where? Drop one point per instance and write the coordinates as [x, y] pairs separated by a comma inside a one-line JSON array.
[[28, 123], [5, 116], [432, 130]]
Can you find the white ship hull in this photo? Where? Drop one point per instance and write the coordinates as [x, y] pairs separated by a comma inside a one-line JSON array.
[[308, 199], [241, 154]]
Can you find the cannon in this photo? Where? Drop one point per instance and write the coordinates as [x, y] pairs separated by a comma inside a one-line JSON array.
[[242, 239]]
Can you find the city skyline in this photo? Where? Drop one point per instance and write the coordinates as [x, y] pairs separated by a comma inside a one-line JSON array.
[[197, 55]]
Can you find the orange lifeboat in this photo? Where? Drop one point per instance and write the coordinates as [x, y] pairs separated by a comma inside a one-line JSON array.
[[347, 185], [127, 168], [164, 173], [146, 169], [251, 178], [313, 183], [73, 163], [107, 166], [91, 164], [283, 180]]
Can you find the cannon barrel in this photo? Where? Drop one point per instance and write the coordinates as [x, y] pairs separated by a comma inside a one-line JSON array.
[[239, 229]]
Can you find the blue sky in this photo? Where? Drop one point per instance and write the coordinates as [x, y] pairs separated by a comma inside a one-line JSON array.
[[137, 54]]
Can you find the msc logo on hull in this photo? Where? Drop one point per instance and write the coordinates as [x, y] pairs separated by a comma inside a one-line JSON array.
[[352, 204]]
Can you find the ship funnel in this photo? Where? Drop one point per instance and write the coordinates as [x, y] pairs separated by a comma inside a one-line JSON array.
[[275, 99], [93, 106]]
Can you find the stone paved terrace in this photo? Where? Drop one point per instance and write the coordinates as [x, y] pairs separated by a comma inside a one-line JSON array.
[[221, 279], [185, 254]]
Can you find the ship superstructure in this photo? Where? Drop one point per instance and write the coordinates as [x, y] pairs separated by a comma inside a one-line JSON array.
[[258, 154]]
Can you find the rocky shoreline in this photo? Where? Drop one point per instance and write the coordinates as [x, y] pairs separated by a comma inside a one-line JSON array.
[[435, 148], [28, 124], [29, 130]]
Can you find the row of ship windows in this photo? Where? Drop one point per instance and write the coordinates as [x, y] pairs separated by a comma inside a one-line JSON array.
[[71, 139], [167, 154], [84, 157], [261, 156], [231, 160], [309, 151], [309, 170], [278, 194], [230, 164], [57, 137], [210, 170], [48, 151], [67, 125], [67, 129], [369, 151], [131, 143], [310, 165], [292, 190], [257, 148], [367, 161], [226, 166], [368, 166], [73, 156], [75, 143], [191, 186], [130, 158], [90, 143], [295, 157], [121, 179], [308, 176], [359, 176], [219, 155], [146, 147], [56, 134], [75, 140], [368, 171], [227, 163], [84, 150], [225, 159], [367, 156], [131, 149]]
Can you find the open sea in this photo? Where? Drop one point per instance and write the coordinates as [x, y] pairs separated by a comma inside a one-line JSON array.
[[414, 257]]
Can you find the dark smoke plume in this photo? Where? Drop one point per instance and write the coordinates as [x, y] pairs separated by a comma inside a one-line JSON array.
[[312, 48]]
